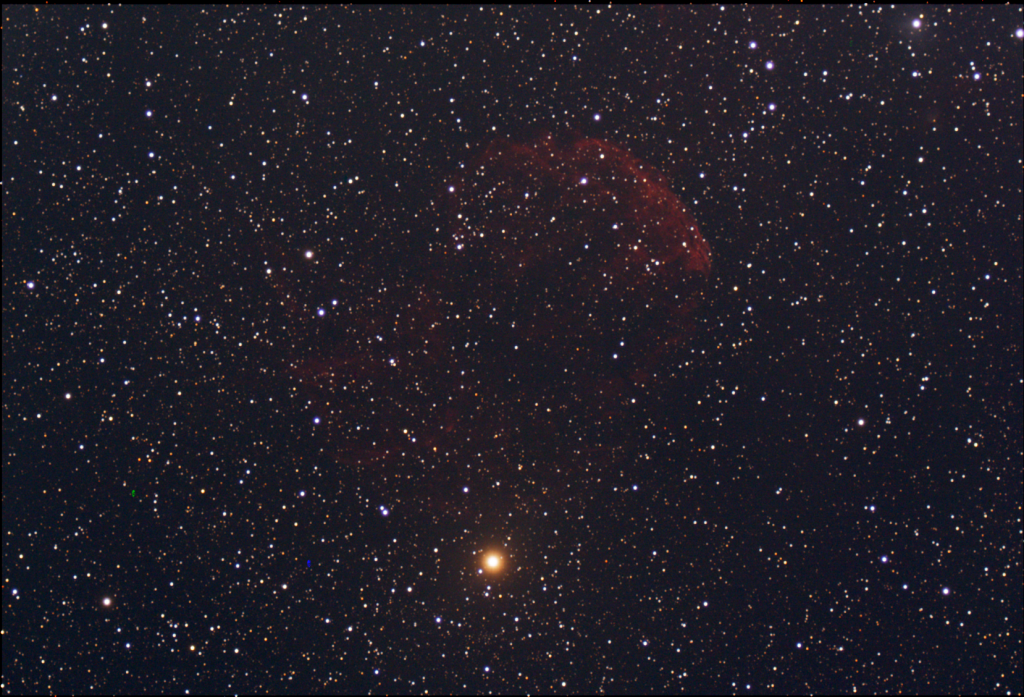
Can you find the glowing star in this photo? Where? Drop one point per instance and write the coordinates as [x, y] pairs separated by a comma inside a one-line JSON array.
[[107, 602]]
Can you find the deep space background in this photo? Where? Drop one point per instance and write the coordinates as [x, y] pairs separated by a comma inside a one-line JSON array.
[[268, 401]]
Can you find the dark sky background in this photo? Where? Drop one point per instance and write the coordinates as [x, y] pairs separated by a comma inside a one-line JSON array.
[[309, 312]]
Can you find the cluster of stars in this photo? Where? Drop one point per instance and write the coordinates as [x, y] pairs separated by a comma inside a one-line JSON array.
[[474, 250]]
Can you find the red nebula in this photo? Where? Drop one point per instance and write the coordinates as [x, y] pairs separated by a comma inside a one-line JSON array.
[[565, 277]]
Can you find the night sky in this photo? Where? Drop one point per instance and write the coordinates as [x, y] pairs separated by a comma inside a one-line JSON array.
[[603, 349]]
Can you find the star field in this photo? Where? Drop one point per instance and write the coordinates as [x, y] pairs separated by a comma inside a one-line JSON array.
[[485, 350]]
